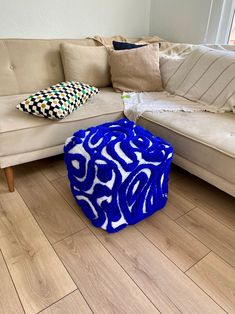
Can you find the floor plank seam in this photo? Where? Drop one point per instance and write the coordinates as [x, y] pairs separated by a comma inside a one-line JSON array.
[[182, 214], [56, 301], [226, 261], [126, 271], [222, 258], [197, 261], [206, 293], [68, 271], [66, 268], [219, 257], [201, 207], [192, 233], [159, 249], [72, 234], [12, 279]]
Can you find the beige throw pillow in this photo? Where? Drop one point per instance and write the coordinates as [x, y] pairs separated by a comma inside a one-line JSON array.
[[86, 64], [136, 70]]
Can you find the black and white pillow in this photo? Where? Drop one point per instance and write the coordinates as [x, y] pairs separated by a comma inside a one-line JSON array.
[[58, 101]]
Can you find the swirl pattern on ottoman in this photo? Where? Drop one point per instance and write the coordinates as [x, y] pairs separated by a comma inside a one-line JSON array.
[[118, 173]]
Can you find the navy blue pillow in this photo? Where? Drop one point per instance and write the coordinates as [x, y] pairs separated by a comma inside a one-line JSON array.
[[119, 45]]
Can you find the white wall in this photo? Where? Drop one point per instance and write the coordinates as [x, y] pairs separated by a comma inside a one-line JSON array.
[[174, 20], [180, 20], [73, 18]]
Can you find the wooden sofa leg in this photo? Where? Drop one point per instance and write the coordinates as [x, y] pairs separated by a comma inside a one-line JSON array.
[[10, 178]]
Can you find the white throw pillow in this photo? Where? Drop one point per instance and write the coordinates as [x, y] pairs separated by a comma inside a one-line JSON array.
[[172, 55], [208, 77], [86, 64], [168, 67]]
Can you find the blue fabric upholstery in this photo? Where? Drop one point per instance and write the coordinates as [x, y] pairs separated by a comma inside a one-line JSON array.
[[119, 45], [118, 173]]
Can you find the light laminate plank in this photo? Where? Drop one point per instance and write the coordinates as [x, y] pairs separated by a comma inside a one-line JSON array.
[[52, 168], [9, 301], [12, 210], [210, 199], [3, 229], [38, 274], [104, 284], [176, 243], [164, 283], [54, 215], [177, 204], [63, 187], [209, 231], [217, 278], [73, 303]]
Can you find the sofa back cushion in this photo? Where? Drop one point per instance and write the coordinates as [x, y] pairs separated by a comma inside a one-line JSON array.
[[29, 65], [85, 64]]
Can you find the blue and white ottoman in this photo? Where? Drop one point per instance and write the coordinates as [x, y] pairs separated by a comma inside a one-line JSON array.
[[118, 173]]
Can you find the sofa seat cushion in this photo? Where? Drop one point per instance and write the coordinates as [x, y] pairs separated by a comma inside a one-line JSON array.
[[20, 133], [204, 138]]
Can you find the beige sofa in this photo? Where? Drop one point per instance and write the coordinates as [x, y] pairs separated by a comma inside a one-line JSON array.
[[204, 143]]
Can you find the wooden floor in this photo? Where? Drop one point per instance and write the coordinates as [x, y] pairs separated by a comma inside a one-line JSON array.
[[180, 260]]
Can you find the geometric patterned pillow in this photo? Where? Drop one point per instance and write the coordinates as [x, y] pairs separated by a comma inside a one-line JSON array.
[[58, 101]]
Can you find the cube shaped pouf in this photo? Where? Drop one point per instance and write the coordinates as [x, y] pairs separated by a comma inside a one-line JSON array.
[[118, 173]]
